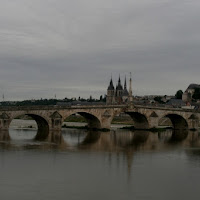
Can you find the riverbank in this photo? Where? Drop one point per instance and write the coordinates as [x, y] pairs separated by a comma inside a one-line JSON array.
[[79, 119]]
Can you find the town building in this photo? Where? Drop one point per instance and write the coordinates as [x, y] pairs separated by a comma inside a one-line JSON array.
[[187, 95]]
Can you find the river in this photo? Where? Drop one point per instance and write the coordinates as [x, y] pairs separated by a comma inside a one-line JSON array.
[[119, 164]]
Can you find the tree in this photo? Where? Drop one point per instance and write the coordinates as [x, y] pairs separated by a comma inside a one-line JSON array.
[[101, 98], [196, 94], [179, 94], [158, 99], [90, 99]]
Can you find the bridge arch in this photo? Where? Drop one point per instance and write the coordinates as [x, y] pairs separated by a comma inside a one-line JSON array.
[[177, 120], [165, 122], [140, 121], [193, 116], [43, 125], [93, 121]]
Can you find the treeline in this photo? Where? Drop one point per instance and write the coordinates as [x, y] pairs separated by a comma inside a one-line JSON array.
[[30, 102], [90, 99], [51, 101]]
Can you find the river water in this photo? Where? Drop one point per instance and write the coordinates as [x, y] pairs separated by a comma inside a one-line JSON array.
[[119, 164]]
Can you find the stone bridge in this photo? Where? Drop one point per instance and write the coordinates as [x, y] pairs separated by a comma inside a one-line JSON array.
[[50, 118]]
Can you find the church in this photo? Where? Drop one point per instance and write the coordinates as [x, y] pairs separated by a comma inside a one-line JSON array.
[[120, 94]]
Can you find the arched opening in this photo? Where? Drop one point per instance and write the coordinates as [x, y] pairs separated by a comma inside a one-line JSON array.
[[165, 122], [29, 126], [176, 121], [82, 120], [139, 120], [130, 120], [122, 120], [80, 128]]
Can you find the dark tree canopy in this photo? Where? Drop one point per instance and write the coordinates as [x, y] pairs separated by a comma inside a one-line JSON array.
[[196, 94], [158, 99], [179, 94]]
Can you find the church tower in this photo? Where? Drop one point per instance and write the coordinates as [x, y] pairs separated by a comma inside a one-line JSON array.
[[110, 93], [119, 95], [119, 92]]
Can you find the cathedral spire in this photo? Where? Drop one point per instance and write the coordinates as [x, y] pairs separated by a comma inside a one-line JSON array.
[[119, 81], [125, 92], [111, 86], [130, 86], [125, 83], [119, 86], [111, 81]]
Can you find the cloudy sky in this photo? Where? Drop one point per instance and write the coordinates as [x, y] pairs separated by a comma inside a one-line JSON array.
[[70, 48]]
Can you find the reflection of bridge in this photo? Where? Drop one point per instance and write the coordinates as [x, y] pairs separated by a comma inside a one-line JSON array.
[[50, 118]]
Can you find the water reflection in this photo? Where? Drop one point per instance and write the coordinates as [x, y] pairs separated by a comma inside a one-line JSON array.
[[137, 164], [4, 135], [115, 140], [91, 138], [140, 138], [173, 136], [194, 142]]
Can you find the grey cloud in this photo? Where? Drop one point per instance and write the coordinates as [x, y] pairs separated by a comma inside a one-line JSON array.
[[71, 48]]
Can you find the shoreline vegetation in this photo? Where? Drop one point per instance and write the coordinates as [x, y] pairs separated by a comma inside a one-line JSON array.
[[131, 128], [160, 129], [80, 119]]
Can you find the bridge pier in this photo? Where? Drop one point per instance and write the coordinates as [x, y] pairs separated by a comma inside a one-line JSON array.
[[4, 127], [193, 124], [153, 123], [4, 121], [106, 122], [4, 124], [4, 135], [54, 136], [55, 123]]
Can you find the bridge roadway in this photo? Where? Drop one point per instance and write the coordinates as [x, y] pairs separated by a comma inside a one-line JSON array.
[[50, 118]]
